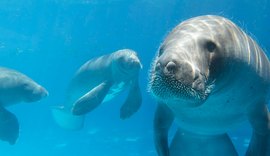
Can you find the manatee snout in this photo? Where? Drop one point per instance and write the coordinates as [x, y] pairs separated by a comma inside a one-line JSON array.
[[42, 92], [133, 64], [35, 93], [174, 67]]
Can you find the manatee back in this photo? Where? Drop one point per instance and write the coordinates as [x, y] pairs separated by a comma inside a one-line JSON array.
[[92, 72], [88, 76], [245, 49]]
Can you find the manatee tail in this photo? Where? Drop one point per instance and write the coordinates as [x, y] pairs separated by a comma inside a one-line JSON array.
[[66, 120]]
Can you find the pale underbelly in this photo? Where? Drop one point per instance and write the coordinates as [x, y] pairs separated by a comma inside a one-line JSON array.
[[79, 91], [217, 115], [114, 91]]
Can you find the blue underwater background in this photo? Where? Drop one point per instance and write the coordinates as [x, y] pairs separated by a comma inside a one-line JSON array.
[[48, 40]]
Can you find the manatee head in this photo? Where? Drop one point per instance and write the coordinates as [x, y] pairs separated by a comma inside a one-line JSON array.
[[185, 69], [125, 65], [33, 92]]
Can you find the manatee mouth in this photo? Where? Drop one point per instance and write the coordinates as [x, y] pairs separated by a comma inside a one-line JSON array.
[[167, 88]]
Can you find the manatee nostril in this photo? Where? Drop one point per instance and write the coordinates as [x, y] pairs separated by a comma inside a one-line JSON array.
[[171, 67]]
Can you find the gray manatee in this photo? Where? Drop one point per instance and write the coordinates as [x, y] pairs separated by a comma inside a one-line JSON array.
[[209, 76], [97, 81], [15, 87]]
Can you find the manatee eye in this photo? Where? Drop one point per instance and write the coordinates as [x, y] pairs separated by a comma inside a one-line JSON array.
[[161, 50], [210, 46]]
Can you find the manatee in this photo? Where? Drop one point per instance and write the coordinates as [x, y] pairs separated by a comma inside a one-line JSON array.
[[97, 81], [209, 76], [15, 87]]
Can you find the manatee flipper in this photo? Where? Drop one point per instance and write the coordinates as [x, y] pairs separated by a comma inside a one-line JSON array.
[[162, 122], [66, 120], [259, 117], [133, 101], [9, 126], [91, 99], [186, 143]]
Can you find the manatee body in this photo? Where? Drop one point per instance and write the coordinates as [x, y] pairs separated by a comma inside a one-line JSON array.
[[210, 77], [98, 81], [15, 87]]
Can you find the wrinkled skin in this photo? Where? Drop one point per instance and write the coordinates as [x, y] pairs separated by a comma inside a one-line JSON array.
[[209, 76]]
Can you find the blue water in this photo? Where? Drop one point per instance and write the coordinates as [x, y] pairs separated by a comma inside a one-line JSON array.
[[49, 40]]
